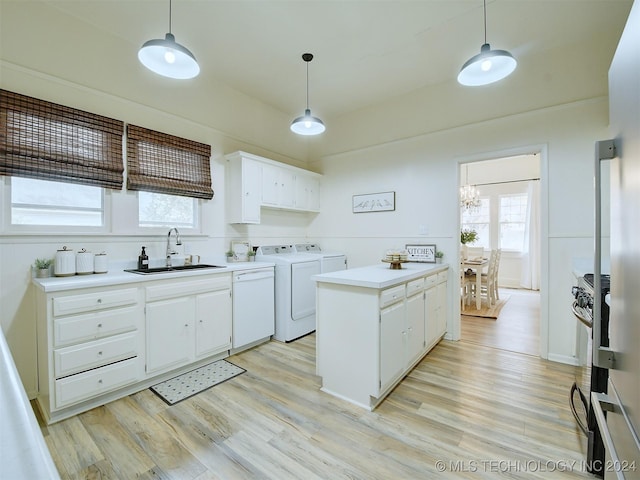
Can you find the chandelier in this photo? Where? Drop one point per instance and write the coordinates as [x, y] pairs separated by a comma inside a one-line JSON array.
[[469, 195]]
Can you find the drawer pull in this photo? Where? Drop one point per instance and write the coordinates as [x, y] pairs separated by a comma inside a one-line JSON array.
[[100, 353], [100, 381], [99, 300], [99, 325]]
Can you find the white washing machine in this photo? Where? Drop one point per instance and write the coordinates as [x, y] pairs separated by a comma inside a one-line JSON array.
[[295, 291], [329, 261]]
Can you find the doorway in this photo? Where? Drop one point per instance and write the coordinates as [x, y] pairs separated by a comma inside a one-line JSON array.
[[505, 215]]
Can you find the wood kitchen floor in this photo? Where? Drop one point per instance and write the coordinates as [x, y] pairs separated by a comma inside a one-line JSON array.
[[516, 329], [466, 411]]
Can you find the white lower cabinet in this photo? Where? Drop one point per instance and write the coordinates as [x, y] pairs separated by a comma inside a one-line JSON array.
[[170, 333], [186, 321], [368, 339], [90, 343], [98, 344], [393, 337], [213, 323]]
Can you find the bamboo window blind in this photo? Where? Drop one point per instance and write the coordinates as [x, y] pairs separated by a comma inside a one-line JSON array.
[[161, 163], [44, 140]]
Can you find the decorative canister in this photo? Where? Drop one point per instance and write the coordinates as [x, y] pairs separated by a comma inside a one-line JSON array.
[[65, 265], [100, 262], [84, 262]]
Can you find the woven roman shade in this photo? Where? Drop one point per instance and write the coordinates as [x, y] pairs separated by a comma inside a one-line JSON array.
[[161, 163], [44, 140]]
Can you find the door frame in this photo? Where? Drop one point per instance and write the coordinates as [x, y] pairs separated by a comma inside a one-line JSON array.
[[544, 234]]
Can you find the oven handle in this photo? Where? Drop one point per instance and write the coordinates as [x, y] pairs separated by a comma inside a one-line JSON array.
[[579, 316]]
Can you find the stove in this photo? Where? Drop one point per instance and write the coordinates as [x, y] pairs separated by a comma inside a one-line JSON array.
[[582, 308]]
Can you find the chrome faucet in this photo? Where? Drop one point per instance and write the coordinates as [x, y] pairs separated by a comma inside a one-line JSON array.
[[169, 250]]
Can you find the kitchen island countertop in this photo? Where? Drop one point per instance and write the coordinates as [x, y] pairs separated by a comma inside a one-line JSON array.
[[379, 276]]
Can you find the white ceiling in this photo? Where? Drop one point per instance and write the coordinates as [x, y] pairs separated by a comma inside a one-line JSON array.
[[366, 51]]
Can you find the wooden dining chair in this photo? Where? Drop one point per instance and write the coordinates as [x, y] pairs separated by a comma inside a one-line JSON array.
[[465, 289], [488, 281]]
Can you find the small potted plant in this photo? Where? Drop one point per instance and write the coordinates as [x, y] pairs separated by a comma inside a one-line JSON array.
[[43, 266], [230, 255], [252, 255], [439, 256]]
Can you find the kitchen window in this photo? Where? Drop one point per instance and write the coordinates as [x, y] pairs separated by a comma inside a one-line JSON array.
[[40, 202], [159, 210]]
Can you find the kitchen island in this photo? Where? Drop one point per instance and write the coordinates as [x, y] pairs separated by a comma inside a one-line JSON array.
[[375, 324]]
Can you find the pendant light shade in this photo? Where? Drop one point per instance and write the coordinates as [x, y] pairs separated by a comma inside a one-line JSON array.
[[307, 124], [488, 66], [168, 58]]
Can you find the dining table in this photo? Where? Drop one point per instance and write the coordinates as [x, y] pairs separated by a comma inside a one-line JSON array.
[[478, 265]]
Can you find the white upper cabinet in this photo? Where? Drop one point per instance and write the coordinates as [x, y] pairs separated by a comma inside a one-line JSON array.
[[254, 182]]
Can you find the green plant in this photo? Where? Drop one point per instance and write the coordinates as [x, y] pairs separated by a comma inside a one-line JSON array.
[[230, 253], [43, 263], [251, 253], [468, 236], [439, 254]]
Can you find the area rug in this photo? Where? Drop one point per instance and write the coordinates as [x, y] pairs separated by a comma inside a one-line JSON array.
[[486, 311], [191, 383]]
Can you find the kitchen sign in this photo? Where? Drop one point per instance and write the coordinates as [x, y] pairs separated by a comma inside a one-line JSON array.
[[421, 253]]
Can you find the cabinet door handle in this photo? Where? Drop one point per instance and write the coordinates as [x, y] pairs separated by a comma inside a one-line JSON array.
[[100, 381], [99, 325], [100, 353], [99, 300]]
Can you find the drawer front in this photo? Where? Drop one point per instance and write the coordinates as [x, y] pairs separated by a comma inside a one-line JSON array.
[[76, 388], [80, 328], [442, 276], [91, 302], [90, 355], [391, 295], [415, 286], [430, 281], [187, 287]]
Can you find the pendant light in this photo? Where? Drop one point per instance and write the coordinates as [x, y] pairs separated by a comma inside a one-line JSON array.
[[489, 65], [307, 124], [168, 58], [469, 195]]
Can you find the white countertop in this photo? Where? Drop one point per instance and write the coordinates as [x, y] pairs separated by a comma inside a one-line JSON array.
[[379, 276], [117, 276]]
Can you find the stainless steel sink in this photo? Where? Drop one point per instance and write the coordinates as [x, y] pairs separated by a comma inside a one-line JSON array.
[[180, 268]]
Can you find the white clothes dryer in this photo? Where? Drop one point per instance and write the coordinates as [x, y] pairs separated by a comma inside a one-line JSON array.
[[295, 292], [329, 261]]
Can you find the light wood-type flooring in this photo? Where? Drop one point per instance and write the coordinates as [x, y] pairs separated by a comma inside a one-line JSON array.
[[516, 329], [466, 411]]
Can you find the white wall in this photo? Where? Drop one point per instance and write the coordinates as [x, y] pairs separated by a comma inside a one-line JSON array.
[[18, 252], [423, 171]]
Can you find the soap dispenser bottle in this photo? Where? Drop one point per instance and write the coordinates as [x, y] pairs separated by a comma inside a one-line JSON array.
[[143, 260]]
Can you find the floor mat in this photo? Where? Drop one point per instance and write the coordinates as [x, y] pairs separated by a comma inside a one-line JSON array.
[[191, 383], [486, 311]]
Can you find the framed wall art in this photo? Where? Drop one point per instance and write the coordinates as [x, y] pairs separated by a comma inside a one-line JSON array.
[[240, 251], [421, 253], [374, 202]]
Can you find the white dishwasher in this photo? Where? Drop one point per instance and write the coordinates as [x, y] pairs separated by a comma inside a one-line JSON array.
[[253, 307]]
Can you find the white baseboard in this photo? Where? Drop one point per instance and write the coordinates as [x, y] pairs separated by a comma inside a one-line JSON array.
[[564, 359]]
